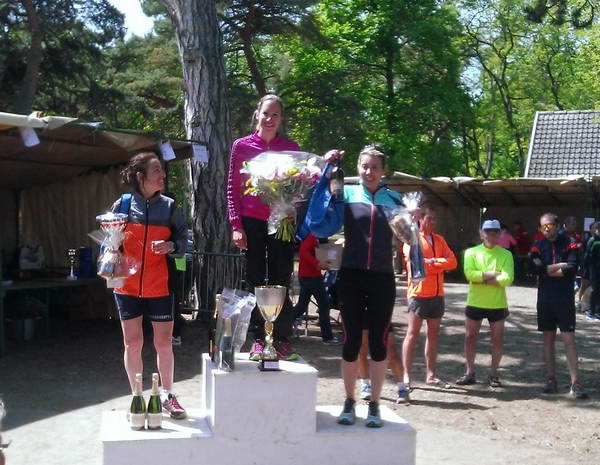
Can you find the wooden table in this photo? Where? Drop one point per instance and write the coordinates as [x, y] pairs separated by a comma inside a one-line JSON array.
[[46, 284]]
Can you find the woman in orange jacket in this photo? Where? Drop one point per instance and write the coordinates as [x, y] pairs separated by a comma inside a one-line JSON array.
[[426, 298]]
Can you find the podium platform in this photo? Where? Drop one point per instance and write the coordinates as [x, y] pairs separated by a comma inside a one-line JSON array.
[[253, 417]]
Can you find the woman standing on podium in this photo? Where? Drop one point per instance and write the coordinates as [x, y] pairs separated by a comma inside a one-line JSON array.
[[367, 285], [267, 258], [156, 228]]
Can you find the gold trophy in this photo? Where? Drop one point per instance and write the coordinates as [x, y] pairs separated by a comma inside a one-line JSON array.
[[270, 301]]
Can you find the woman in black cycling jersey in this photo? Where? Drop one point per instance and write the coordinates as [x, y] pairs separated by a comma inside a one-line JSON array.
[[367, 286]]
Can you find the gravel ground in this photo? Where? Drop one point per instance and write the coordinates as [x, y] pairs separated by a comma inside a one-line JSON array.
[[55, 389]]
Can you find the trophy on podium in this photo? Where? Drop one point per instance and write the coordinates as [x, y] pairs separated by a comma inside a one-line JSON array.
[[72, 254], [270, 300]]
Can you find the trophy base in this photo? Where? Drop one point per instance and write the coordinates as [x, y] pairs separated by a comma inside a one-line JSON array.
[[269, 365]]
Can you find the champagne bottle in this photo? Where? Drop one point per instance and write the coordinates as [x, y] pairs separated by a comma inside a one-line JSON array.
[[227, 357], [137, 410], [154, 405], [212, 343], [336, 183]]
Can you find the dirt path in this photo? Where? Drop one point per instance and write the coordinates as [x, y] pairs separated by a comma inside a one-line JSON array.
[[56, 388]]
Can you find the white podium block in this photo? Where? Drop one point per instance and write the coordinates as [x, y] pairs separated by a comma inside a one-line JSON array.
[[249, 404], [254, 417]]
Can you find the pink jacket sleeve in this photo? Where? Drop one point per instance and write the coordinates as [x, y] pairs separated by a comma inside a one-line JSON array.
[[234, 196]]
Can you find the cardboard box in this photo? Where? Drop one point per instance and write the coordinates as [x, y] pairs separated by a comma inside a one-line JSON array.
[[331, 254]]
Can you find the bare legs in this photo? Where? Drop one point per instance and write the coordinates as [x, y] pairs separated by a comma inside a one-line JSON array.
[[431, 345], [164, 352], [550, 354], [133, 341], [472, 328]]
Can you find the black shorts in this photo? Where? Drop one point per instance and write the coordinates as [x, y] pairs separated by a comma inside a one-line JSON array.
[[155, 308], [551, 315], [427, 307], [492, 314], [368, 300]]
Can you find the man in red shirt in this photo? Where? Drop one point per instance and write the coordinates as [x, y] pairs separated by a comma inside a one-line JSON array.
[[311, 283]]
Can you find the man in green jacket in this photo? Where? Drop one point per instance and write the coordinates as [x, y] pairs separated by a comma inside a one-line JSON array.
[[489, 269]]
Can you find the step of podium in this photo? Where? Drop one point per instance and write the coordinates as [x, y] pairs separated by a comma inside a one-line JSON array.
[[253, 417]]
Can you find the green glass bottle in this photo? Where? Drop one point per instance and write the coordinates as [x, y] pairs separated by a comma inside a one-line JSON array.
[[137, 411], [154, 405]]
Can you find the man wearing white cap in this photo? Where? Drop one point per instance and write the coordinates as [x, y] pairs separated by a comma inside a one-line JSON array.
[[489, 269]]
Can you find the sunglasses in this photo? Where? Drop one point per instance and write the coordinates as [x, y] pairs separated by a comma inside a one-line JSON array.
[[548, 227]]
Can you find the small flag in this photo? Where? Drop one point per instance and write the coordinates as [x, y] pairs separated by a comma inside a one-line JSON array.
[[166, 150], [200, 153], [29, 136]]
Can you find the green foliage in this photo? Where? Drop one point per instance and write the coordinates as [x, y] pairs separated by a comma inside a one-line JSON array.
[[75, 35]]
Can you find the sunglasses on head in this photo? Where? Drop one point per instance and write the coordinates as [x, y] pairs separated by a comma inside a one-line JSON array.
[[548, 227]]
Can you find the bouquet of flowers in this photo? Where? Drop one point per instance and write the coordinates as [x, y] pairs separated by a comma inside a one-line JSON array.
[[406, 229], [282, 179]]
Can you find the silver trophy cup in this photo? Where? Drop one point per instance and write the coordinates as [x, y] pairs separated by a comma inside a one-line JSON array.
[[270, 300], [72, 255]]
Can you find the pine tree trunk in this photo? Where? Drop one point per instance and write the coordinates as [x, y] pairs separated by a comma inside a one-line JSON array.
[[206, 119], [30, 82]]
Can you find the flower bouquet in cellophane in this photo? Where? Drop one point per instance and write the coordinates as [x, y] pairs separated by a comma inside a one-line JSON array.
[[406, 229], [282, 179]]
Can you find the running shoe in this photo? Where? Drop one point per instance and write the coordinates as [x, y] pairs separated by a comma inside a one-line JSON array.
[[374, 418], [551, 386], [403, 396], [494, 382], [172, 406], [590, 316], [365, 391], [466, 379], [176, 340], [286, 351], [331, 342], [348, 415], [578, 392]]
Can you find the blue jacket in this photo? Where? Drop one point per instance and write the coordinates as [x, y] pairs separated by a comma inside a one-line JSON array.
[[368, 237]]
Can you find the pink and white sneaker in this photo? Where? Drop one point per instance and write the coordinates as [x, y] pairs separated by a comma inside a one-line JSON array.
[[172, 406]]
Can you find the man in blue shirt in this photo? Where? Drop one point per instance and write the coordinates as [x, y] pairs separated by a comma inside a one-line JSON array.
[[554, 260]]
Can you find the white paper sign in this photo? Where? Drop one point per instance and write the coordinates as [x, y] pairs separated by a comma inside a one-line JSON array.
[[200, 153], [166, 150], [587, 222], [29, 137]]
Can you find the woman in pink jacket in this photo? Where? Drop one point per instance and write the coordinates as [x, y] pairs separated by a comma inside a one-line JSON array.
[[248, 217]]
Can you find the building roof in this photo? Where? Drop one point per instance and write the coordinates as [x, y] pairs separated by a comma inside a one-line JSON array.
[[69, 148], [564, 143], [514, 192]]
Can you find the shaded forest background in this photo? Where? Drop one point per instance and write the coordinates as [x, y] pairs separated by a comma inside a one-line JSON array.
[[448, 87]]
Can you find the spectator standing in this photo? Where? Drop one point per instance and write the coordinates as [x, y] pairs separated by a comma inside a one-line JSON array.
[[523, 247], [311, 284], [554, 260], [426, 301], [591, 272], [506, 239], [489, 270]]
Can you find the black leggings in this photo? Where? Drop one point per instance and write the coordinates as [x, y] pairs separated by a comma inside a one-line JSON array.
[[265, 254], [371, 292]]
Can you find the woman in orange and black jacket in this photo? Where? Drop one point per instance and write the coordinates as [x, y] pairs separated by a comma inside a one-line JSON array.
[[156, 228]]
